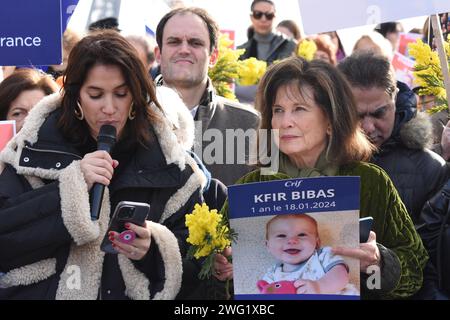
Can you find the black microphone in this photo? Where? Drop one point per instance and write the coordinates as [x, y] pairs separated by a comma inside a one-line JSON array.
[[105, 142]]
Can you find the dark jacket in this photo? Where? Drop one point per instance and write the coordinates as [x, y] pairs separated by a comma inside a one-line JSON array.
[[49, 247], [417, 172], [280, 47]]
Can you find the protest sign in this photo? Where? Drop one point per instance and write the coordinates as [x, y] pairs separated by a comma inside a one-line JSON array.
[[30, 32], [67, 9]]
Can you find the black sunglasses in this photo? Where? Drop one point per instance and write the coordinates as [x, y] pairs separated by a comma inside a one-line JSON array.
[[258, 15]]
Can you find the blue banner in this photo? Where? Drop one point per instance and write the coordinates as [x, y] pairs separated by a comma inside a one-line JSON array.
[[67, 9], [30, 32], [294, 196]]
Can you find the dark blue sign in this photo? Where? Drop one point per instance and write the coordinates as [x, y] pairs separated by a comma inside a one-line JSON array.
[[30, 32], [293, 196]]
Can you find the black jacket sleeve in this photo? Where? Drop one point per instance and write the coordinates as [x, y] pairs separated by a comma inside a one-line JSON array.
[[31, 227]]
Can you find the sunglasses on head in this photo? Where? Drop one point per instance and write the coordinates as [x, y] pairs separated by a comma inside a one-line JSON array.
[[258, 15]]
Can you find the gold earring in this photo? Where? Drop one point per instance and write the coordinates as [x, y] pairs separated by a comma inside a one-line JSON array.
[[79, 114], [132, 113]]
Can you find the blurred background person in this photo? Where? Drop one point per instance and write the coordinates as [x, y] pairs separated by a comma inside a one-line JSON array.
[[340, 53], [7, 71], [392, 123], [109, 23], [21, 91], [45, 205]]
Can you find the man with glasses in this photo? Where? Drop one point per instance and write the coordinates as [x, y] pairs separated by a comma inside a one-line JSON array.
[[264, 43]]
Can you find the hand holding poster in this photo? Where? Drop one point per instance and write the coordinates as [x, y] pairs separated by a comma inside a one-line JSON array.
[[286, 230]]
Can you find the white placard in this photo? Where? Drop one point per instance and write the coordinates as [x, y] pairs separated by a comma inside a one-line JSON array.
[[331, 15]]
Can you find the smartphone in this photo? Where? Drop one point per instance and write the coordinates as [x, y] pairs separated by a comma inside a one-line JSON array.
[[365, 225], [126, 211]]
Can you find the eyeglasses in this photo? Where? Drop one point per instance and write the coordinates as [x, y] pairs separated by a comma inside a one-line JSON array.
[[258, 15]]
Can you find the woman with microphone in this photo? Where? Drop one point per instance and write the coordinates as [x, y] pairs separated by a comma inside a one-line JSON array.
[[49, 246]]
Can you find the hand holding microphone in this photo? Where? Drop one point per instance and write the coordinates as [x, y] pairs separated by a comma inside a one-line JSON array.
[[98, 167]]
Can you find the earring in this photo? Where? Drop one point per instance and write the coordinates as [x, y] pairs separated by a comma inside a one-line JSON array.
[[79, 114], [132, 113]]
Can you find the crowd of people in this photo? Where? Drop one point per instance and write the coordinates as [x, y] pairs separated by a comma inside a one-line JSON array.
[[337, 115]]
